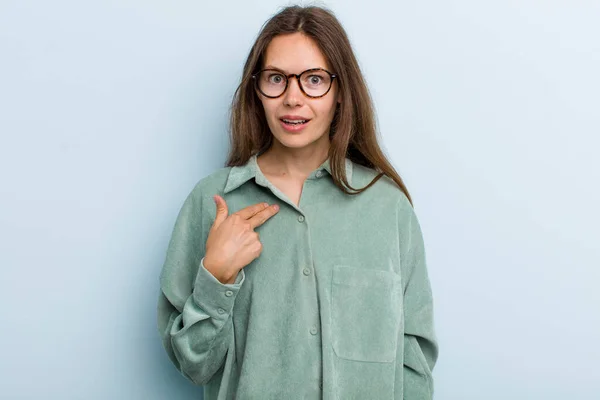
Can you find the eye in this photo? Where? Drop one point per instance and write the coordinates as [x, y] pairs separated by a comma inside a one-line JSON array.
[[315, 79], [275, 79]]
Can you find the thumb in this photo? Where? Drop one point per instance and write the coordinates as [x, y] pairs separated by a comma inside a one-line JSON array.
[[222, 210]]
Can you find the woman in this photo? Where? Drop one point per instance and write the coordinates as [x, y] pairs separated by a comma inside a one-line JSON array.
[[306, 277]]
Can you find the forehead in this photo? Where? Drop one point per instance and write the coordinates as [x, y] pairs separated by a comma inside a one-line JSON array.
[[294, 53]]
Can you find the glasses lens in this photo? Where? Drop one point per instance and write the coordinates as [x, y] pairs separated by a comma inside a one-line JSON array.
[[315, 83], [271, 83]]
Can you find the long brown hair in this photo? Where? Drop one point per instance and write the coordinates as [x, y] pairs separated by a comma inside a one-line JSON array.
[[353, 132]]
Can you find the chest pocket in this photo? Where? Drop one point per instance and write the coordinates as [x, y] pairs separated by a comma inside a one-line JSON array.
[[366, 312]]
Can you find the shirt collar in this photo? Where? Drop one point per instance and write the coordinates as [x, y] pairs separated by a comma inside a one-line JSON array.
[[238, 175]]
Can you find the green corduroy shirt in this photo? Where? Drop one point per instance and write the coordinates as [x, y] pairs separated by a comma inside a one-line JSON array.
[[337, 306]]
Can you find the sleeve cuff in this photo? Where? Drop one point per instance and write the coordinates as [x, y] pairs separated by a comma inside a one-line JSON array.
[[214, 297]]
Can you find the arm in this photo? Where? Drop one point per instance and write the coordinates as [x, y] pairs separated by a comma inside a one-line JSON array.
[[194, 308], [420, 342]]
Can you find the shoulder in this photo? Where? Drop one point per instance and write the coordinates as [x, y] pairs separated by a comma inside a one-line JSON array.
[[211, 184], [384, 190], [199, 202]]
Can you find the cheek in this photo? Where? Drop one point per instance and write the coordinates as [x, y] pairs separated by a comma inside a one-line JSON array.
[[327, 109], [270, 107]]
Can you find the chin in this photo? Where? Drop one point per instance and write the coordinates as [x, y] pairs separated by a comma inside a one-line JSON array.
[[295, 141]]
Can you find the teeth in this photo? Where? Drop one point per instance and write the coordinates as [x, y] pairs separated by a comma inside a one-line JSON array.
[[296, 122]]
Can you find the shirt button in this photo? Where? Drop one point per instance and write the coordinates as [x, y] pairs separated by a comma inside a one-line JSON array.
[[306, 271], [220, 311], [319, 173], [229, 293], [313, 330], [301, 218]]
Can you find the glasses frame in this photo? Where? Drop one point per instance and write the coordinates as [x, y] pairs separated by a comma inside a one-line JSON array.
[[287, 81]]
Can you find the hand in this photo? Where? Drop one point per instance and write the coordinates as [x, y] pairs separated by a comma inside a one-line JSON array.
[[232, 243]]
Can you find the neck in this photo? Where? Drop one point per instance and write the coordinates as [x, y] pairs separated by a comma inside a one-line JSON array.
[[298, 163]]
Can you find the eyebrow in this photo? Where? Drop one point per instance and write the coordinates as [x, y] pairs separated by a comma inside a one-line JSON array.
[[282, 70]]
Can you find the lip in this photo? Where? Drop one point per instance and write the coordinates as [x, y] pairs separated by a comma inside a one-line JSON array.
[[294, 128], [293, 117]]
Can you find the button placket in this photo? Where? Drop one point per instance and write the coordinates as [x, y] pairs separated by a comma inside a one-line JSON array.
[[306, 264]]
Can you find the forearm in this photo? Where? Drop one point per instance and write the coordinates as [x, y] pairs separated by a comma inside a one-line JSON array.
[[197, 338]]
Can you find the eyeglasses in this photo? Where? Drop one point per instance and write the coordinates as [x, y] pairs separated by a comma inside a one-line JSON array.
[[314, 82]]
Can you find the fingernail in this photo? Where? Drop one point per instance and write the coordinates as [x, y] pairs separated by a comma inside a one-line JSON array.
[[276, 207]]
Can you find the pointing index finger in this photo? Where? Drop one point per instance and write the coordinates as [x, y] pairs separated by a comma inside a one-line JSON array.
[[250, 211], [262, 216]]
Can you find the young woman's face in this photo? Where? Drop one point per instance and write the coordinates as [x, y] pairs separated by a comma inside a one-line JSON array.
[[294, 54]]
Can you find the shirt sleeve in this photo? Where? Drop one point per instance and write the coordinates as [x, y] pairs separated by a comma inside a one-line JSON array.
[[194, 308], [420, 342]]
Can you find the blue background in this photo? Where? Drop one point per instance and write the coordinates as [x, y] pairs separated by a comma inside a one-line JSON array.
[[110, 112]]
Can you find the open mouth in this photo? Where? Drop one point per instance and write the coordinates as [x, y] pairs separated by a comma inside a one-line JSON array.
[[295, 125], [294, 122]]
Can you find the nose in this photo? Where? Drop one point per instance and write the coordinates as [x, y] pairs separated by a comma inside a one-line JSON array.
[[293, 95]]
